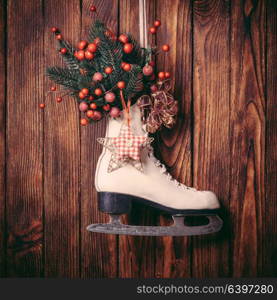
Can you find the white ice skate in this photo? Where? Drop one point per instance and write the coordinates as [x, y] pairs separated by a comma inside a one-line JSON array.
[[153, 186]]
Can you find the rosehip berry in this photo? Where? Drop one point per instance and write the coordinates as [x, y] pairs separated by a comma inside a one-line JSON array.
[[84, 122], [121, 84], [165, 48], [157, 23], [123, 38], [161, 75], [92, 47], [93, 106], [90, 113], [85, 91], [98, 92], [108, 70]]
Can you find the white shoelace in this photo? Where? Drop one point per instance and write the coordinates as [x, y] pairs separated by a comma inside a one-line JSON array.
[[163, 170]]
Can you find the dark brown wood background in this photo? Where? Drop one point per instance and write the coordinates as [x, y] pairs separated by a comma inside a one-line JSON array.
[[223, 61]]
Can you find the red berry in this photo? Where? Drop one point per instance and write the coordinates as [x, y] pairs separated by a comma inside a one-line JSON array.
[[92, 8], [83, 106], [128, 48], [90, 98], [127, 67], [123, 64], [53, 88], [85, 91], [97, 76], [97, 115], [90, 113], [121, 85], [161, 75], [98, 92], [80, 55], [165, 48], [42, 105], [54, 29], [59, 99], [84, 122], [59, 37], [147, 70], [92, 47], [82, 95], [110, 97], [157, 23], [123, 38], [115, 112], [108, 70], [82, 45], [89, 55], [93, 106], [106, 107], [153, 30], [167, 74], [63, 50]]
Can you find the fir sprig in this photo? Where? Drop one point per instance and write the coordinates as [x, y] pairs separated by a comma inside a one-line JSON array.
[[64, 76]]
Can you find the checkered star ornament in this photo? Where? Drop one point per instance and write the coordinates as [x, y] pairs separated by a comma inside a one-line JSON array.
[[125, 149]]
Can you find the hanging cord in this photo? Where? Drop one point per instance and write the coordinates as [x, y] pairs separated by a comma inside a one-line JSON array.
[[143, 24]]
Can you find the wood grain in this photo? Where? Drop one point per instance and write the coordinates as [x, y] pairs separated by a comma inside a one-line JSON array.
[[247, 125], [223, 66], [211, 153], [136, 254], [24, 139], [269, 217], [173, 255], [99, 252], [61, 155], [2, 134]]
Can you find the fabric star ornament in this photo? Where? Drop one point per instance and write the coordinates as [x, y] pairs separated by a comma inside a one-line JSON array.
[[125, 149]]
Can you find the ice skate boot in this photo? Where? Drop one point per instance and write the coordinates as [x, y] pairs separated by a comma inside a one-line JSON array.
[[153, 186]]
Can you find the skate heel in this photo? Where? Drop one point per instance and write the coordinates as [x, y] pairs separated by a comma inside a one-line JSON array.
[[114, 203]]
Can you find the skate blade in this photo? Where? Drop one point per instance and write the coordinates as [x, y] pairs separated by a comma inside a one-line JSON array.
[[177, 229]]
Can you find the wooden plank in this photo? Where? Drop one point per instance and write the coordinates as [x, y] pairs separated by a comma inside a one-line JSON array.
[[133, 262], [2, 133], [61, 154], [247, 126], [24, 139], [211, 154], [99, 252], [270, 205], [173, 255]]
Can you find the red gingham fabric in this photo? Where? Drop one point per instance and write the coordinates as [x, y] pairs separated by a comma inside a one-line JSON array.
[[128, 145]]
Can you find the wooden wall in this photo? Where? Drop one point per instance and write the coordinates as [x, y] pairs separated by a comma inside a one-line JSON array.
[[223, 61]]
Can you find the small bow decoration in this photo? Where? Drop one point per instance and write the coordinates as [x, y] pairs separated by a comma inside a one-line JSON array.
[[159, 108]]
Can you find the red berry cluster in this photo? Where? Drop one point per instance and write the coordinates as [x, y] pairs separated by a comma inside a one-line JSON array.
[[91, 110], [127, 46], [155, 27], [89, 95], [86, 50]]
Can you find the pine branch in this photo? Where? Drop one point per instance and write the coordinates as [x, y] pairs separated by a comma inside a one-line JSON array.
[[134, 82], [66, 77], [69, 58]]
